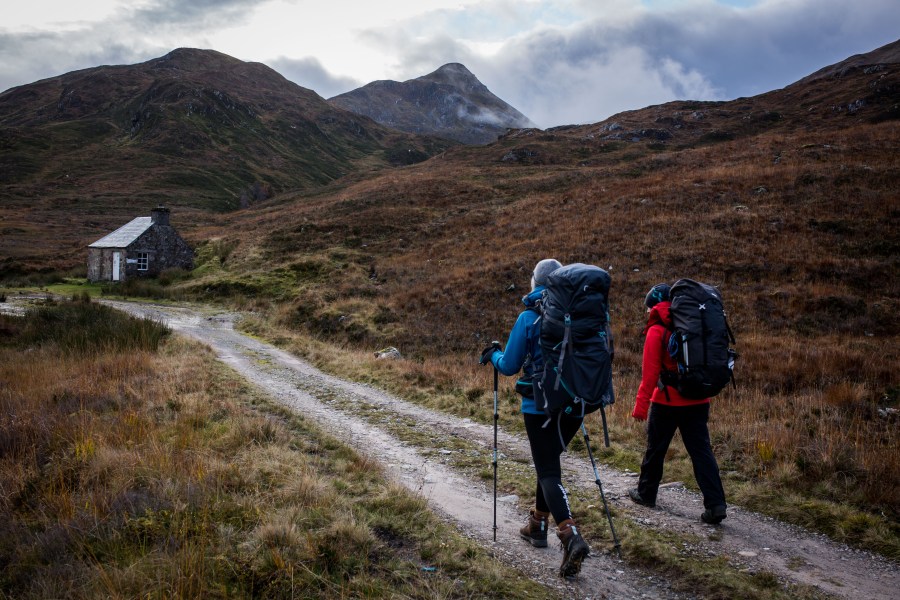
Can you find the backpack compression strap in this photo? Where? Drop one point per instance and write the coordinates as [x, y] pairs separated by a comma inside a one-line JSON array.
[[566, 343]]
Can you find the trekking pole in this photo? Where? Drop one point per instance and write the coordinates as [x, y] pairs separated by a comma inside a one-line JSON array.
[[587, 442], [496, 417]]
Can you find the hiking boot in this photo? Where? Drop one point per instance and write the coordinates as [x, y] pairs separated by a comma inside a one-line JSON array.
[[714, 515], [575, 549], [535, 531], [635, 496]]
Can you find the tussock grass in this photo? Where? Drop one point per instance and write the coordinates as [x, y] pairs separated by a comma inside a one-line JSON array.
[[79, 327], [128, 471]]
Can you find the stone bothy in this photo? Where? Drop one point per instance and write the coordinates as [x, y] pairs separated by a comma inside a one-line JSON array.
[[143, 247]]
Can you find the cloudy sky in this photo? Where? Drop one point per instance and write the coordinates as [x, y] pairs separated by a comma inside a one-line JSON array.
[[558, 61]]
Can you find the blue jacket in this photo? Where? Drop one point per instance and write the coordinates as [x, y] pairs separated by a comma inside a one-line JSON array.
[[523, 348]]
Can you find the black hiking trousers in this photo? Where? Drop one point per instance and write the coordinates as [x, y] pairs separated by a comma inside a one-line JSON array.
[[550, 495], [691, 421]]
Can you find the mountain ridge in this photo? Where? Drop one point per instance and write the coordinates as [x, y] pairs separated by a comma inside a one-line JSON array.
[[887, 54], [81, 162], [199, 108]]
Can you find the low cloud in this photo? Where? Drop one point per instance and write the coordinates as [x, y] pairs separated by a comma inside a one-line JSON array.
[[556, 91], [772, 44], [696, 49]]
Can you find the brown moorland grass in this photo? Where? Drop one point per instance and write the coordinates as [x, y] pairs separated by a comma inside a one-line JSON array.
[[129, 472], [799, 230]]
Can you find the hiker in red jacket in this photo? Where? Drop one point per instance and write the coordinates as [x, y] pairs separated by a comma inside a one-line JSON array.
[[671, 412]]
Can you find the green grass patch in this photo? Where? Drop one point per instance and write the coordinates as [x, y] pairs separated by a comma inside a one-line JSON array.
[[837, 521], [681, 560], [71, 286], [168, 285]]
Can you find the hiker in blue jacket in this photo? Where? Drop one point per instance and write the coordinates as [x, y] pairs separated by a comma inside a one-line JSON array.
[[523, 352]]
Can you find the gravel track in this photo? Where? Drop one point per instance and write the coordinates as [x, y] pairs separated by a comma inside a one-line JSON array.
[[751, 541]]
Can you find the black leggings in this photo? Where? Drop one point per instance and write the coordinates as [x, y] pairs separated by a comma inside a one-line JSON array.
[[550, 495]]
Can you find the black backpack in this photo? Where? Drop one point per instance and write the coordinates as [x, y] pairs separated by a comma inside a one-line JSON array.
[[576, 343], [700, 342]]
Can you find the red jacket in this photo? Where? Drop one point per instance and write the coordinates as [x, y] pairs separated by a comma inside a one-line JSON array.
[[656, 358]]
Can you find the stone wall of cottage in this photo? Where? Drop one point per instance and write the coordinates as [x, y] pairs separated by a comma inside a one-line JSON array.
[[165, 250]]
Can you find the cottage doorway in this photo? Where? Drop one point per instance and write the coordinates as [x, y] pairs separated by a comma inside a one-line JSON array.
[[117, 261]]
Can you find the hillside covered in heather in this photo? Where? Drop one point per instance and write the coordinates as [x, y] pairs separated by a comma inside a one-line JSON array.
[[195, 129]]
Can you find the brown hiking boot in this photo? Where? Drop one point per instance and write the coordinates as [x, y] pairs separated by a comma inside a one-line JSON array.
[[535, 531], [575, 549]]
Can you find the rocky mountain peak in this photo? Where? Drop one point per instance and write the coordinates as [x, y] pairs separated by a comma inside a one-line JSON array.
[[458, 76], [450, 102], [195, 59]]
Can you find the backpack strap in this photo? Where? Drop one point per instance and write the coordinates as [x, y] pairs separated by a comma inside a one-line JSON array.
[[703, 332], [730, 333], [665, 388], [732, 356], [534, 324], [610, 343]]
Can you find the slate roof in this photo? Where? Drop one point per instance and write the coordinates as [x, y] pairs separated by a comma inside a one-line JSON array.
[[124, 235]]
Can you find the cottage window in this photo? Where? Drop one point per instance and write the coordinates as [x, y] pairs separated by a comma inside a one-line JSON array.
[[142, 261]]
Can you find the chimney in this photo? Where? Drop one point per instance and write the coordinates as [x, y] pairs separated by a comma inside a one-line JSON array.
[[160, 215]]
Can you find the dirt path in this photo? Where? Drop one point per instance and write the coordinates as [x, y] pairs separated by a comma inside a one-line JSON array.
[[755, 542]]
